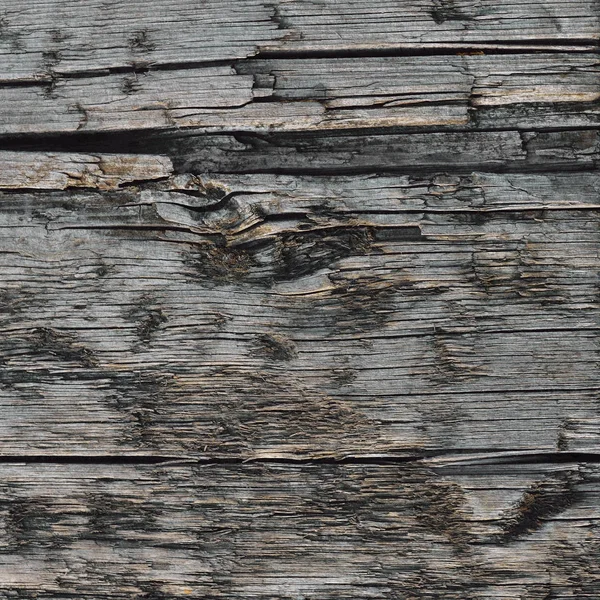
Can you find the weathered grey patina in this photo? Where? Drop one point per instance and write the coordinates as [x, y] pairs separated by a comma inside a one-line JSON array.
[[299, 300]]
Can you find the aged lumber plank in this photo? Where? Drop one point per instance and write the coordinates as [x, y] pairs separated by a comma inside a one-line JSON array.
[[360, 152], [38, 39], [429, 91], [350, 25], [314, 95], [59, 171], [326, 531], [127, 101], [299, 299], [260, 316]]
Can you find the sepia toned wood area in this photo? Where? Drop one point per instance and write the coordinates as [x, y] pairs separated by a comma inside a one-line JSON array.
[[299, 300]]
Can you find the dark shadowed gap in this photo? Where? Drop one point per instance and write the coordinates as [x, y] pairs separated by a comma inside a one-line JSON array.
[[461, 456]]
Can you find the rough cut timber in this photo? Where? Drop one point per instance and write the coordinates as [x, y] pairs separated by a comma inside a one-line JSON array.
[[253, 316], [60, 171], [299, 299], [311, 531], [412, 154], [363, 26], [311, 95], [63, 37]]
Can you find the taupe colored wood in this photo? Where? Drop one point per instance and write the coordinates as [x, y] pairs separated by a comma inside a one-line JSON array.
[[309, 531], [59, 170]]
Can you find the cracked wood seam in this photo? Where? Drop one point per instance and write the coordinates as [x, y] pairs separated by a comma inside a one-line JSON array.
[[60, 171], [75, 36], [409, 153], [299, 300]]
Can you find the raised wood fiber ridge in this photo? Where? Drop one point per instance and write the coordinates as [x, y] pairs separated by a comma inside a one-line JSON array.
[[299, 300]]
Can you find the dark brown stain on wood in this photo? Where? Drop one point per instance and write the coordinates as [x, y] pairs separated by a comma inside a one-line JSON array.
[[541, 501], [63, 346]]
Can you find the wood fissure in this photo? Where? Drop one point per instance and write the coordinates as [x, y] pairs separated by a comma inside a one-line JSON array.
[[238, 335]]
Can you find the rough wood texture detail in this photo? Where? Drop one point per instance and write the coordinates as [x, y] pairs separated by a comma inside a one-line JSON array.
[[256, 314], [310, 94], [325, 531], [299, 300], [61, 171]]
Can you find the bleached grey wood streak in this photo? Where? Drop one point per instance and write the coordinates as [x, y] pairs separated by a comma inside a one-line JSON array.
[[466, 91], [278, 316], [310, 531], [359, 25], [78, 36]]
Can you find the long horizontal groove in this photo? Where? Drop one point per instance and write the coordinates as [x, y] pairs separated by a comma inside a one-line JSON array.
[[519, 47], [41, 81], [458, 458], [413, 170], [424, 169], [127, 141], [509, 47]]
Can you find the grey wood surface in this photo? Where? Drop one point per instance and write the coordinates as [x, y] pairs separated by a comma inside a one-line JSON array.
[[512, 151], [458, 90], [258, 315], [38, 39], [326, 531], [299, 300]]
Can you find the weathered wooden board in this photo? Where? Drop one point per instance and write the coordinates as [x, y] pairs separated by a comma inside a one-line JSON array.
[[299, 299], [350, 25], [38, 39], [60, 170], [309, 531], [279, 316], [58, 37], [314, 95], [409, 153]]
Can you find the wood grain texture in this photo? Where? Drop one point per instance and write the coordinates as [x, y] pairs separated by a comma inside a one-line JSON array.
[[75, 36], [38, 39], [326, 531], [361, 152], [60, 171], [279, 316], [299, 300], [434, 24], [313, 95]]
